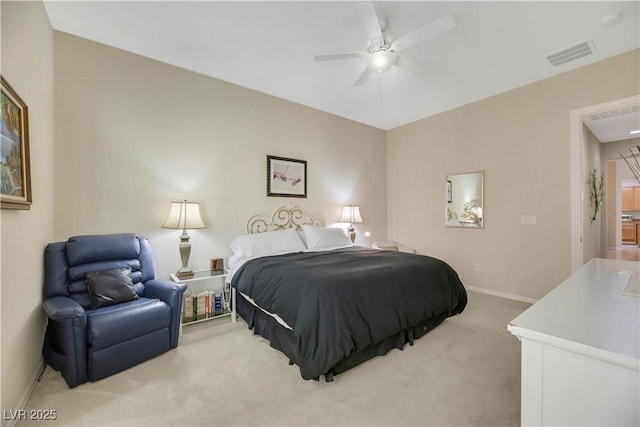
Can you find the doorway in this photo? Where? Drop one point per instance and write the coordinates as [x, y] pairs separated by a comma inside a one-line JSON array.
[[619, 243], [577, 172]]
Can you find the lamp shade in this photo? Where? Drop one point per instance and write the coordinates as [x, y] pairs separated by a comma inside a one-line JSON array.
[[350, 214], [184, 215]]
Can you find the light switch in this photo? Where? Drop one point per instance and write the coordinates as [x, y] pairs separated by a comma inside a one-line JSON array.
[[528, 219]]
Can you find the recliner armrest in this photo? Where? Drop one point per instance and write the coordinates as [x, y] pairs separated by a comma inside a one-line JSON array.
[[62, 308], [164, 290], [171, 293], [65, 343]]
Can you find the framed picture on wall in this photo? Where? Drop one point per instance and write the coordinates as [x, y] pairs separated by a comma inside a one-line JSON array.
[[286, 177], [15, 173]]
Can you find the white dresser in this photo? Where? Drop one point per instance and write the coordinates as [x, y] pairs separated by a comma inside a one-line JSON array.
[[581, 349]]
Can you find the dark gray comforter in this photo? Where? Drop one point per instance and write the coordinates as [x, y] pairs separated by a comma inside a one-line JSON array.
[[343, 301]]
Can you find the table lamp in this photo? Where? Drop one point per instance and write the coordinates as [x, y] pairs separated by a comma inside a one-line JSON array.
[[351, 214], [183, 215]]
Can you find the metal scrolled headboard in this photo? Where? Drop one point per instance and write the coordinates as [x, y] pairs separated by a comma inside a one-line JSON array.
[[283, 218]]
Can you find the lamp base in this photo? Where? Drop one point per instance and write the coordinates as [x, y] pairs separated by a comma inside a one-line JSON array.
[[185, 250], [352, 234]]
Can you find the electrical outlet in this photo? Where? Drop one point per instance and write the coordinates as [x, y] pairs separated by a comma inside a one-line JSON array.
[[528, 219], [476, 266]]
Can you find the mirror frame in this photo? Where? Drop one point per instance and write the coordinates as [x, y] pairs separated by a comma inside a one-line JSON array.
[[475, 216]]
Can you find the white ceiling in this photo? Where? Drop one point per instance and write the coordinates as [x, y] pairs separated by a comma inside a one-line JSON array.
[[614, 125], [269, 47]]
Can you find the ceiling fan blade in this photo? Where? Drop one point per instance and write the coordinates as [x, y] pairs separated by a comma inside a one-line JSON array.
[[335, 56], [369, 20], [411, 66], [363, 77], [435, 28]]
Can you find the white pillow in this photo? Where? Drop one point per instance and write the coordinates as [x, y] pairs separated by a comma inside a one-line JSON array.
[[268, 243], [302, 237], [326, 238]]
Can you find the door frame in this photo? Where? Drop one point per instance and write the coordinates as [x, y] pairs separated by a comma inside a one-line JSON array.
[[577, 173]]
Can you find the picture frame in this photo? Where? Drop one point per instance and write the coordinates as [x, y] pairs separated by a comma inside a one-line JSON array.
[[286, 177], [15, 171]]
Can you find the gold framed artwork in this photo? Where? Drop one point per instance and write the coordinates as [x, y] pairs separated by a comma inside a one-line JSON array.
[[15, 172]]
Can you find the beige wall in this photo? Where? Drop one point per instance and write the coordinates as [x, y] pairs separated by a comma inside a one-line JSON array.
[[521, 139], [27, 64], [133, 134]]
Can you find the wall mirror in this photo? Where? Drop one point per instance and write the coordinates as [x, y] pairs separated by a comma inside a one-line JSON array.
[[464, 200]]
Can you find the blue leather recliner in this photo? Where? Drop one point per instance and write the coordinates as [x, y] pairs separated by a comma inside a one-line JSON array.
[[88, 342]]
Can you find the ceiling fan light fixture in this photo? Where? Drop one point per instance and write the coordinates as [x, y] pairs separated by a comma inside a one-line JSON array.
[[383, 49], [381, 60]]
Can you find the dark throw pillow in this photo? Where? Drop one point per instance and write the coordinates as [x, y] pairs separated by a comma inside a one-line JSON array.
[[110, 287]]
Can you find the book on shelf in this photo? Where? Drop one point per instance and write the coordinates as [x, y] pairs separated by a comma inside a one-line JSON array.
[[218, 303], [207, 305], [201, 306], [187, 307]]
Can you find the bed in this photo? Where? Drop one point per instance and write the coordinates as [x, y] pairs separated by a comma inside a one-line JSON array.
[[329, 305]]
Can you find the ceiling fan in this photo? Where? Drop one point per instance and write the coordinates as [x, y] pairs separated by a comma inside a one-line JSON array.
[[382, 51]]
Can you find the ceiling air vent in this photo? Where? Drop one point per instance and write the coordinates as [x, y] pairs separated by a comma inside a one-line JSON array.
[[571, 54], [618, 112]]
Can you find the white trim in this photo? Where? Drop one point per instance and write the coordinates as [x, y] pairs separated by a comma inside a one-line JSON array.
[[576, 170], [22, 404], [501, 294]]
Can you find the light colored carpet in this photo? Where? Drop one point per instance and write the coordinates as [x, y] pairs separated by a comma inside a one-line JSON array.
[[466, 372]]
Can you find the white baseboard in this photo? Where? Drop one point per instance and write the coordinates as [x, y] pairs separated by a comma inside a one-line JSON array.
[[27, 393], [502, 294]]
